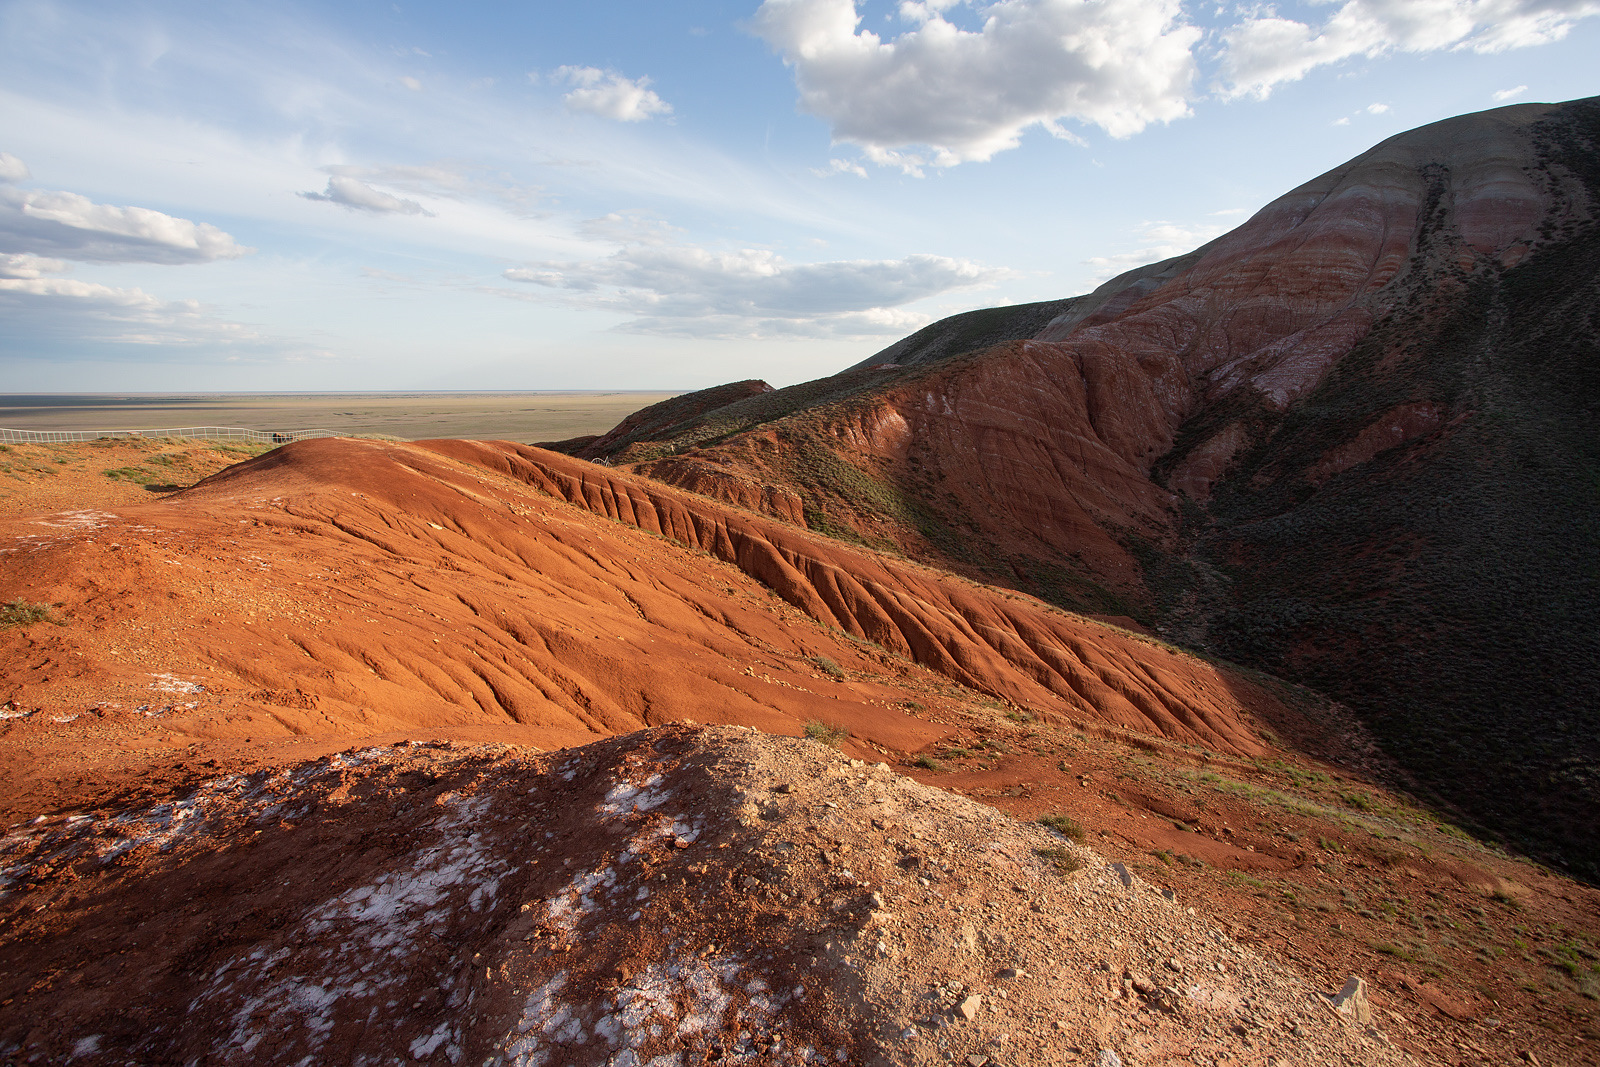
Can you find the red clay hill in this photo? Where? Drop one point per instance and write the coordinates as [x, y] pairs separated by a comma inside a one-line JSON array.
[[343, 588], [1350, 442], [320, 755]]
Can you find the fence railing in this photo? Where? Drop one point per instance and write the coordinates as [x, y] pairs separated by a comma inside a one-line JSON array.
[[215, 433]]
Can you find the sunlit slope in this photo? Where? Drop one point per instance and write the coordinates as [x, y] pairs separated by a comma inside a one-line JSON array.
[[341, 586]]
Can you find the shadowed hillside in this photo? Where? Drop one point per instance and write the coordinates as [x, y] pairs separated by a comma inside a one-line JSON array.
[[1350, 442]]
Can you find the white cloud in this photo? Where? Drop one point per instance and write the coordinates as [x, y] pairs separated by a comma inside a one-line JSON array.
[[13, 169], [611, 96], [1265, 51], [29, 266], [1377, 109], [1510, 94], [679, 288], [40, 310], [411, 83], [836, 167], [1342, 121], [629, 228], [359, 196], [75, 227], [940, 95], [1162, 240]]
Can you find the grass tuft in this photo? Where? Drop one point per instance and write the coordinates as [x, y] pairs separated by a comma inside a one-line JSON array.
[[827, 732], [827, 666], [1064, 861], [1065, 825], [21, 613]]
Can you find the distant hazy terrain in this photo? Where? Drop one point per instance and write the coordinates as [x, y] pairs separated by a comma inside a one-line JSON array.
[[534, 416]]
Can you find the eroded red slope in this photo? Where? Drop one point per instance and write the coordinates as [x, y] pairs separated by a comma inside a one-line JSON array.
[[1043, 449], [341, 588]]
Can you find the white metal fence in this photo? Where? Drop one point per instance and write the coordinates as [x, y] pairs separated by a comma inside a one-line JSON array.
[[215, 433]]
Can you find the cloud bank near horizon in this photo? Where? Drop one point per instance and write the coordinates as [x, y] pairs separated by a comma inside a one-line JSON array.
[[681, 289]]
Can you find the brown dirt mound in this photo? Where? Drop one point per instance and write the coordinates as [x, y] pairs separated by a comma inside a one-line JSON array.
[[675, 896]]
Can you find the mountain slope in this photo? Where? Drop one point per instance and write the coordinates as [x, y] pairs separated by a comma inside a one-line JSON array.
[[1350, 440], [177, 769]]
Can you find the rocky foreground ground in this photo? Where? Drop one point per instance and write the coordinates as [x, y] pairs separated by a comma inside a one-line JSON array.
[[680, 895]]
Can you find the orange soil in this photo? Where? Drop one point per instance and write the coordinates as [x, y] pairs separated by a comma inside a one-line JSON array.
[[338, 590]]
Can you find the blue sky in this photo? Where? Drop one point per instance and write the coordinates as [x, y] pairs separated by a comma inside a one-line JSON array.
[[233, 196]]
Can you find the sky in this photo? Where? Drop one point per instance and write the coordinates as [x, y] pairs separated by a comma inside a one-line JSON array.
[[230, 196]]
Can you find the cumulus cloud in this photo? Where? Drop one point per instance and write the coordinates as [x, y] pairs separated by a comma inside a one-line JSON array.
[[679, 288], [1263, 52], [1510, 94], [357, 195], [1160, 240], [71, 226], [611, 96], [941, 95]]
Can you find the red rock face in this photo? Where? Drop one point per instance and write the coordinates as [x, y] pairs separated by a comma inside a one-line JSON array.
[[1045, 448], [1351, 440]]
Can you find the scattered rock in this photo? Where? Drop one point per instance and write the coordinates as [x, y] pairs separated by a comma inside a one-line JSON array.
[[1351, 1001]]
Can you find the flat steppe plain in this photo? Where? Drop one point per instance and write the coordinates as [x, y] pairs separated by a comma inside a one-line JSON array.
[[484, 416]]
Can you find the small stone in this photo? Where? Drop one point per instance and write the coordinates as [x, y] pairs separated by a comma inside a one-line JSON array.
[[1351, 1001], [1126, 878], [783, 787], [1175, 965], [967, 1010], [1109, 1058], [976, 1060], [1014, 972], [1171, 895]]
